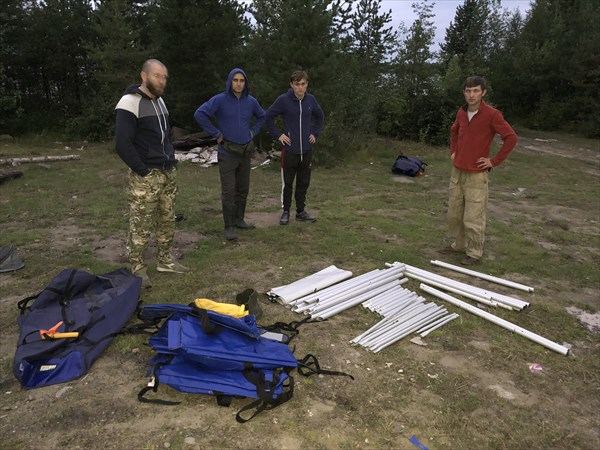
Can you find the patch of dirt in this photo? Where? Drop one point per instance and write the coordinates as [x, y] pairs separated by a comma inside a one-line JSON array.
[[590, 320], [558, 148]]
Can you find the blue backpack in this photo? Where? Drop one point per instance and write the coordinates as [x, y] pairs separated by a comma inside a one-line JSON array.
[[409, 165], [203, 352], [70, 323]]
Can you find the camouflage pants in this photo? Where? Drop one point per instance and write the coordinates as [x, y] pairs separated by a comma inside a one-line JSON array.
[[151, 208], [467, 211]]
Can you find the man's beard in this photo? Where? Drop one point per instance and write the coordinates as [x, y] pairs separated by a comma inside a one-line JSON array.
[[154, 90]]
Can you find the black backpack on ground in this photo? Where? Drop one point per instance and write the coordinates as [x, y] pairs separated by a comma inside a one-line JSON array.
[[409, 165]]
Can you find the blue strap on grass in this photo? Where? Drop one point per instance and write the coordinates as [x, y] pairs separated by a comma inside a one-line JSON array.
[[415, 441]]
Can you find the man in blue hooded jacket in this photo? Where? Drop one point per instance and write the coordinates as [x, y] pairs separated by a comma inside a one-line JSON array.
[[233, 111], [302, 121]]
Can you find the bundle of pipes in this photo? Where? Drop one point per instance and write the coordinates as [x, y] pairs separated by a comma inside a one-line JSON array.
[[410, 314], [474, 293], [319, 280], [328, 302]]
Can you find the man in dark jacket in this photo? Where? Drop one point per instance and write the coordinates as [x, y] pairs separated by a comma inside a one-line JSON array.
[[233, 110], [143, 142], [302, 121]]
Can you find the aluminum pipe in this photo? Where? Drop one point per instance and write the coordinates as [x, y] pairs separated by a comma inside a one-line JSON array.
[[483, 276], [497, 320]]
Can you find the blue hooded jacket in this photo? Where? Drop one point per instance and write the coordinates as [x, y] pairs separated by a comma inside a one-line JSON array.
[[301, 118], [232, 115]]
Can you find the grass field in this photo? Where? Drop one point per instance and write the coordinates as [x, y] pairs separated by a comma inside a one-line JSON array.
[[471, 386]]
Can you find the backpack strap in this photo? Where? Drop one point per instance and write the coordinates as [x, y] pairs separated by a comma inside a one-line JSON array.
[[202, 316], [22, 304], [265, 391], [309, 365], [153, 386], [290, 329]]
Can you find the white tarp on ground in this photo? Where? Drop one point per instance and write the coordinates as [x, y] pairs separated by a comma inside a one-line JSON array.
[[319, 280]]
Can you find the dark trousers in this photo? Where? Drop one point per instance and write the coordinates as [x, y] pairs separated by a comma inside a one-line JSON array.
[[296, 167], [235, 185]]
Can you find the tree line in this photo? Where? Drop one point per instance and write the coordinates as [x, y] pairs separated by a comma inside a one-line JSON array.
[[65, 63]]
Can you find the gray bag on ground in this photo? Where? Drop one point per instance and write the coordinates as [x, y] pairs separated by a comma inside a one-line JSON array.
[[9, 260]]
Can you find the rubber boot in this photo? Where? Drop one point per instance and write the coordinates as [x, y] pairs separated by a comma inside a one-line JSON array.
[[229, 219], [249, 298], [240, 212]]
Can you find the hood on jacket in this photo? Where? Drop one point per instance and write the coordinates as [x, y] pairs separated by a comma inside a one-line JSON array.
[[135, 89], [246, 90]]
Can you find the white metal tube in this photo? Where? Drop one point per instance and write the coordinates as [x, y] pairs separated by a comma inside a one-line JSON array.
[[363, 293], [392, 301], [395, 323], [341, 287], [399, 308], [512, 302], [299, 288], [333, 309], [384, 322], [338, 287], [382, 299], [430, 311], [341, 293], [359, 281], [483, 276], [364, 287], [432, 327], [407, 330], [446, 287], [497, 320], [425, 328]]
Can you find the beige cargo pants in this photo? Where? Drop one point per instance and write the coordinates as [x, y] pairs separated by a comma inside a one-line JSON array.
[[467, 211]]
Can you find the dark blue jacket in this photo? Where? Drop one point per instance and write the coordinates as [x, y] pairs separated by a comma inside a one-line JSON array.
[[301, 118], [232, 114], [142, 134]]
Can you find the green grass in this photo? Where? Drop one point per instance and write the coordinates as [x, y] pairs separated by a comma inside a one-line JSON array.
[[547, 235]]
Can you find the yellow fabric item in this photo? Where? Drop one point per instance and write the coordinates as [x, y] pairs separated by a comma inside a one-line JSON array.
[[237, 311]]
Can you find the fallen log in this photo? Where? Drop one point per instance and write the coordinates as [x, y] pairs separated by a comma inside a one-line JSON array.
[[9, 174], [34, 159]]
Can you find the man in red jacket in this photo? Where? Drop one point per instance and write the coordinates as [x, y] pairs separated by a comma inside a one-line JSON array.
[[471, 136]]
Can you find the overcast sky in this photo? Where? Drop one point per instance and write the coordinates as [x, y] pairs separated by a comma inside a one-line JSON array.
[[444, 11]]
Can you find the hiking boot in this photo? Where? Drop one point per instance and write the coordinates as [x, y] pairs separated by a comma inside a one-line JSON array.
[[285, 218], [469, 261], [230, 234], [303, 216], [143, 274], [249, 298], [172, 267], [244, 225], [449, 251]]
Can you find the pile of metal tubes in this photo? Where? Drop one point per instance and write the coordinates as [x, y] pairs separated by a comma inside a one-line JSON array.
[[380, 291], [479, 295], [339, 297], [403, 311]]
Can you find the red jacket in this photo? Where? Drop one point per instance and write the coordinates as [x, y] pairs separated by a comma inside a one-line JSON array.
[[470, 141]]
